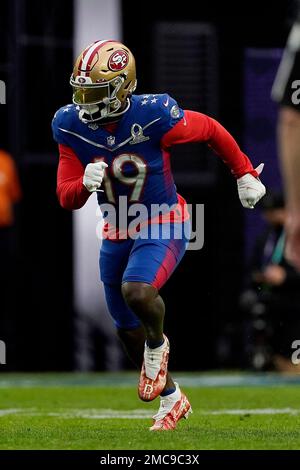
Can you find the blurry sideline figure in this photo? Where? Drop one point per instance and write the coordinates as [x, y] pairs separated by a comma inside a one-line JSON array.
[[116, 143], [10, 191], [272, 299], [286, 91], [10, 194]]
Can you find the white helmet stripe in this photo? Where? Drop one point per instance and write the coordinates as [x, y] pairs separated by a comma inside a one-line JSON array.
[[90, 49]]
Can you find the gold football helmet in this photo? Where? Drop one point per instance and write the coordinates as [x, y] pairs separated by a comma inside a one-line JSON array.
[[103, 80]]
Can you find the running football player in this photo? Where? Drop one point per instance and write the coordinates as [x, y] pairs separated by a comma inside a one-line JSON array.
[[118, 144]]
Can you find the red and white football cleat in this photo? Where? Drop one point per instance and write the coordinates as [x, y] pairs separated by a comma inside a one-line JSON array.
[[172, 408], [153, 376]]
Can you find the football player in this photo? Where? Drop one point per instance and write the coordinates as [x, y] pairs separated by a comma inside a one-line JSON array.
[[117, 143]]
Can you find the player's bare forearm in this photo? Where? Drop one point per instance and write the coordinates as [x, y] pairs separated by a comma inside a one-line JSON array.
[[289, 147], [289, 150]]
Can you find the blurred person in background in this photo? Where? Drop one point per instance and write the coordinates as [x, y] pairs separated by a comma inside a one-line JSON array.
[[10, 190], [286, 91], [272, 298], [10, 194], [119, 141]]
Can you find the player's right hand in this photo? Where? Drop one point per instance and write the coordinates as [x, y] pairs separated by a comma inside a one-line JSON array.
[[93, 175]]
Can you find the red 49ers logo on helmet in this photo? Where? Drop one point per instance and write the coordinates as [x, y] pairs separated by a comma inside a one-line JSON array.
[[118, 60]]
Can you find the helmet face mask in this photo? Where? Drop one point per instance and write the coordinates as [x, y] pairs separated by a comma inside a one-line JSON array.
[[103, 80]]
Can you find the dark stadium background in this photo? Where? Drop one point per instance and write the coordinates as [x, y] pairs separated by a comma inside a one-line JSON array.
[[202, 296]]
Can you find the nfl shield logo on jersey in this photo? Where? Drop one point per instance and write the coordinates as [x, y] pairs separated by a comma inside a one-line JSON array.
[[111, 140]]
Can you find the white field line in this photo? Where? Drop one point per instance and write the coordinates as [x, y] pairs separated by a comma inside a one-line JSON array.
[[78, 413], [256, 411], [103, 414], [138, 414], [11, 411]]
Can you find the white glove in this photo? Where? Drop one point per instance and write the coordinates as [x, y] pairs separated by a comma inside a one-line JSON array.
[[251, 189], [93, 175]]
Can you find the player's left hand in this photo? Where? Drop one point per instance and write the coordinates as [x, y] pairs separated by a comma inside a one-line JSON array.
[[251, 189]]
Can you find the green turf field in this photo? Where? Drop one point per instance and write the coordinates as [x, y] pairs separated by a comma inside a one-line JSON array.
[[103, 412]]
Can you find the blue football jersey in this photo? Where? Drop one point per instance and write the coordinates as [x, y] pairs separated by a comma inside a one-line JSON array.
[[138, 167]]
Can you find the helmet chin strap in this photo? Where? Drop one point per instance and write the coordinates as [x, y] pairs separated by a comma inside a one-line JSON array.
[[88, 114]]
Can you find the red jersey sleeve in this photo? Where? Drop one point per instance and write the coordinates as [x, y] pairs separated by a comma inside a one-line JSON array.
[[71, 192], [197, 127]]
